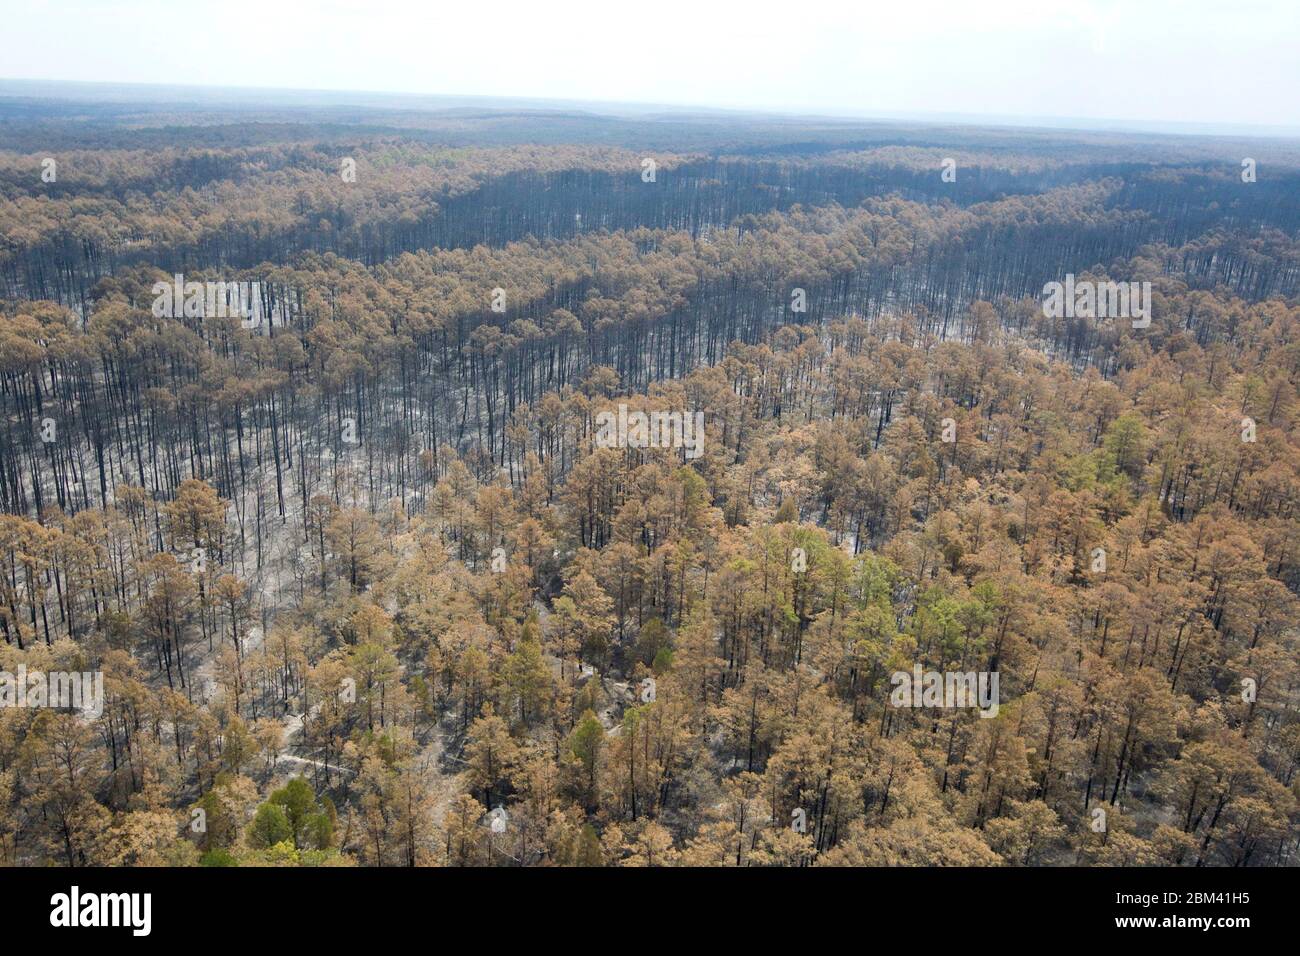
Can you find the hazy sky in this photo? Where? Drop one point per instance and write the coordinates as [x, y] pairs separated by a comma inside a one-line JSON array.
[[1141, 60]]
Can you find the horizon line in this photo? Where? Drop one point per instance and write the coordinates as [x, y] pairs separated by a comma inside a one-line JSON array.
[[1077, 124]]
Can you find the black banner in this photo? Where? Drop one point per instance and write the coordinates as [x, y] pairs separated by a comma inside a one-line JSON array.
[[334, 906]]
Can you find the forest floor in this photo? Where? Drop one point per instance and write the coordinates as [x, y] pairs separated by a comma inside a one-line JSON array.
[[275, 583]]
